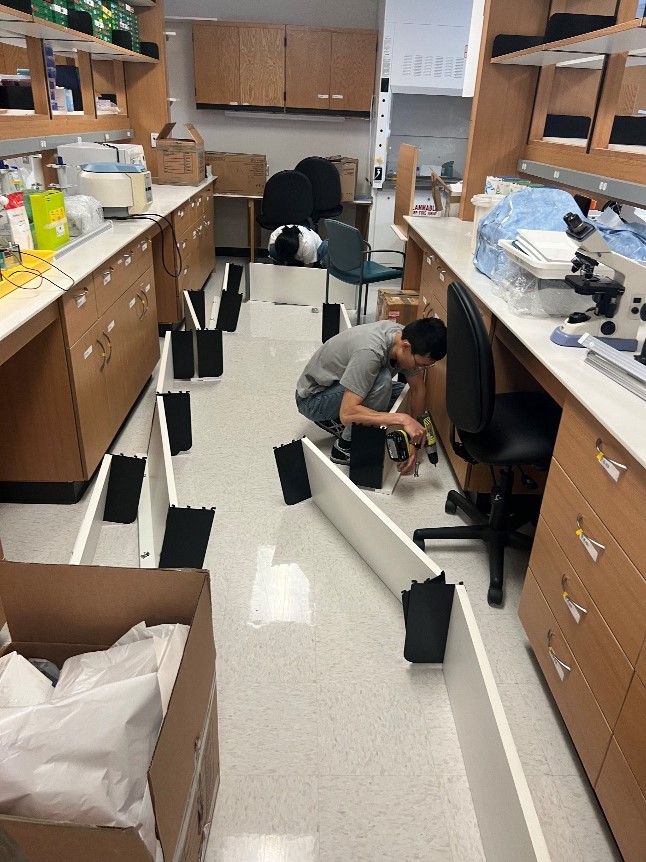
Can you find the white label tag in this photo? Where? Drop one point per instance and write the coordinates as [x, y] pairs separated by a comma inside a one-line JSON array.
[[128, 260], [80, 300], [588, 545], [576, 613], [87, 352], [144, 246], [147, 288], [131, 303], [609, 467], [60, 230], [441, 276], [111, 326], [560, 670], [107, 277]]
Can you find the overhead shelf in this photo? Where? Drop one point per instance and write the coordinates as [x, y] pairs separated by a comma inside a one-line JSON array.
[[620, 190], [15, 24], [629, 37]]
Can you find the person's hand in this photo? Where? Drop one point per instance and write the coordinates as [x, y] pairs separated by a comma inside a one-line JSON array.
[[416, 432], [405, 468]]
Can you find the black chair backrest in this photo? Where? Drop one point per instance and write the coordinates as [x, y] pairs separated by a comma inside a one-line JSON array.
[[470, 378], [345, 245], [325, 179], [287, 199]]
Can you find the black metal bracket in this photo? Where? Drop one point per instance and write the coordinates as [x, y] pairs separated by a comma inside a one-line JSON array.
[[177, 407], [186, 538], [292, 472], [331, 320], [124, 489], [367, 450]]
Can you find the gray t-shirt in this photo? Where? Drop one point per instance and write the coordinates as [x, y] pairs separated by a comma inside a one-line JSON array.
[[352, 358]]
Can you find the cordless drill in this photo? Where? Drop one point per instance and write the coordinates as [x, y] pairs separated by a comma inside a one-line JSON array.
[[431, 442]]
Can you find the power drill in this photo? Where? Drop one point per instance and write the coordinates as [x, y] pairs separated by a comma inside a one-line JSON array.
[[431, 442]]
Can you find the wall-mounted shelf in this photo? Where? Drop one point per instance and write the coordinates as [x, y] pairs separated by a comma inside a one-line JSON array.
[[626, 192], [19, 146], [14, 24], [620, 38]]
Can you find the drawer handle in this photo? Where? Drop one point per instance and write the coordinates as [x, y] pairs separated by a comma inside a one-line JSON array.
[[103, 354], [592, 547], [107, 338], [561, 667], [142, 300], [614, 468], [574, 608]]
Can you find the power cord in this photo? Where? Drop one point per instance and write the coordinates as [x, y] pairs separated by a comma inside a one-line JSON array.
[[153, 218]]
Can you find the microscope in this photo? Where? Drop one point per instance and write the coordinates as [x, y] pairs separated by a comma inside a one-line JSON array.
[[619, 304]]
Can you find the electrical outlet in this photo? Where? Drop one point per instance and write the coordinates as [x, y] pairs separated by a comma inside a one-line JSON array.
[[153, 138]]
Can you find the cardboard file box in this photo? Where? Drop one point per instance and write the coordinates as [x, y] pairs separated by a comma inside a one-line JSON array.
[[398, 305], [238, 173], [57, 611], [180, 161], [348, 169]]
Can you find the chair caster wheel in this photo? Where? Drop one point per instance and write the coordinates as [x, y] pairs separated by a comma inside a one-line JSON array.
[[450, 508], [494, 596]]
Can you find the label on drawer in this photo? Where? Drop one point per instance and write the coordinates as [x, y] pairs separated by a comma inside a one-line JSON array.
[[107, 277], [576, 613], [111, 326], [147, 288], [132, 302], [144, 246], [128, 260], [80, 300], [87, 352], [608, 466], [557, 664], [588, 544]]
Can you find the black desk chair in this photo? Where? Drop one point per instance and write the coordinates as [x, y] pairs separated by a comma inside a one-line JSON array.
[[507, 430], [287, 199], [326, 187]]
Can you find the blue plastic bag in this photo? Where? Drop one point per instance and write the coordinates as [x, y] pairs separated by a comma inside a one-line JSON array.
[[533, 209]]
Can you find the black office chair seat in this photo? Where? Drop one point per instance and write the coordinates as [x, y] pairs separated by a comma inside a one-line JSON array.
[[326, 187], [287, 199], [521, 431], [506, 430]]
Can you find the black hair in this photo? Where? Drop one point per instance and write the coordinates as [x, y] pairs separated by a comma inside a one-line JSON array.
[[287, 243], [427, 337]]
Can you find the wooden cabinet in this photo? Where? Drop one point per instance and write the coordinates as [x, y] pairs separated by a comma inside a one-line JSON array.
[[193, 223], [239, 64], [330, 69], [588, 568]]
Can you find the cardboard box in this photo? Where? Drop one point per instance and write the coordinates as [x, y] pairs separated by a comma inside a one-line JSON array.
[[180, 161], [56, 611], [348, 169], [398, 305], [238, 173]]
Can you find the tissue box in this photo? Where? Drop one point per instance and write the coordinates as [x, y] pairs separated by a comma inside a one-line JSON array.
[[57, 611]]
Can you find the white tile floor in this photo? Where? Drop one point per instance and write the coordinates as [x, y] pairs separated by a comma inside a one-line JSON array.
[[332, 746]]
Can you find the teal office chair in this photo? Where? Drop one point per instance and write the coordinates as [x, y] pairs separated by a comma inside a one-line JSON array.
[[349, 259]]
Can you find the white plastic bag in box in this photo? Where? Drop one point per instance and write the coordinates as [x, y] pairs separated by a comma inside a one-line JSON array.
[[21, 684], [169, 640]]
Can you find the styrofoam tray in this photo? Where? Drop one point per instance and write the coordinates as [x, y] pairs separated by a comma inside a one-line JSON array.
[[542, 269]]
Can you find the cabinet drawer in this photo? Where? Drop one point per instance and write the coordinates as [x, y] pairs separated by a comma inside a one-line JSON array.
[[182, 218], [620, 504], [78, 310], [641, 664], [197, 206], [616, 587], [629, 732], [577, 705], [604, 664], [186, 275], [120, 271], [441, 278], [623, 804]]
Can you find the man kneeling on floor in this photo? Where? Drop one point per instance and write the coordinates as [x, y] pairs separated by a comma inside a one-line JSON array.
[[350, 379]]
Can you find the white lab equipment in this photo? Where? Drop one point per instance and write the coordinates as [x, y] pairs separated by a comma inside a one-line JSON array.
[[122, 190]]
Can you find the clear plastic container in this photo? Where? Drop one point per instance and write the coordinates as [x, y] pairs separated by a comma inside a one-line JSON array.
[[483, 205]]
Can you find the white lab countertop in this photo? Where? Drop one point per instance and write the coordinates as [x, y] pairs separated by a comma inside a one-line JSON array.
[[22, 304], [621, 412]]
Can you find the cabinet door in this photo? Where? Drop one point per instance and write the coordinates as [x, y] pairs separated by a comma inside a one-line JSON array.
[[87, 361], [119, 331], [147, 331], [307, 67], [165, 264], [352, 75], [262, 66], [216, 59], [208, 246]]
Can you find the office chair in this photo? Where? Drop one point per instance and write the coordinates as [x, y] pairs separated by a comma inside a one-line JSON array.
[[326, 187], [287, 199], [349, 260], [505, 430]]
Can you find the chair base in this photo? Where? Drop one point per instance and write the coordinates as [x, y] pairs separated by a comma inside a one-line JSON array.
[[498, 530]]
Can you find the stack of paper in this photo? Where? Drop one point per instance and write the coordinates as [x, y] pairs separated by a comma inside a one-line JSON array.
[[620, 367]]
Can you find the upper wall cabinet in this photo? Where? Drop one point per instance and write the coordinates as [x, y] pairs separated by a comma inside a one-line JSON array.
[[239, 64], [330, 69]]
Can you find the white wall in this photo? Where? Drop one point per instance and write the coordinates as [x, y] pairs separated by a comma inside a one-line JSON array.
[[284, 141]]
